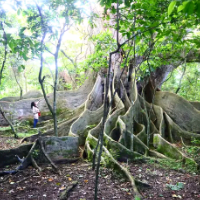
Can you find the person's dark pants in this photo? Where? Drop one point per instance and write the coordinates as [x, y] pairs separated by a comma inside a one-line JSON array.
[[35, 122]]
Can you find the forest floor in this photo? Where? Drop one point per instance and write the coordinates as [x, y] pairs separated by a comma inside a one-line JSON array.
[[9, 142], [165, 183]]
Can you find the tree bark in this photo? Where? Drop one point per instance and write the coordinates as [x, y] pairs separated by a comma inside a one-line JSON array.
[[159, 76], [5, 51], [20, 88], [9, 122]]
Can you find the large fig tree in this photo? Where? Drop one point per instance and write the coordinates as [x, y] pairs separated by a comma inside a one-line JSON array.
[[125, 113]]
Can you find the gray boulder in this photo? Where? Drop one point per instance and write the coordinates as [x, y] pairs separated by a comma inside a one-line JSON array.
[[29, 95], [32, 94], [10, 99], [61, 148]]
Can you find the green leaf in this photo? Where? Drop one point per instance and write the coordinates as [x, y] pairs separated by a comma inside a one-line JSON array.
[[18, 11], [125, 189], [8, 24], [30, 41], [113, 10], [198, 9], [23, 66], [127, 3], [171, 7], [107, 17], [189, 7], [137, 198], [24, 56], [9, 37], [108, 4], [176, 187], [181, 7], [23, 29], [128, 35]]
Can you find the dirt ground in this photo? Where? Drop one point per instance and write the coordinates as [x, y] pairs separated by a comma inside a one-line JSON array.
[[9, 142], [29, 184], [165, 182]]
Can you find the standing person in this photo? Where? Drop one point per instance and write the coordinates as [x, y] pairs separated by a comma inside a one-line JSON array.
[[35, 111]]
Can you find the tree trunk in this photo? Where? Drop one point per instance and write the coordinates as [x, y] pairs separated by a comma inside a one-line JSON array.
[[5, 51], [133, 125], [159, 76], [20, 88], [9, 122]]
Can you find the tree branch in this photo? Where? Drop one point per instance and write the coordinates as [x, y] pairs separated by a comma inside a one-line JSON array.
[[5, 51], [41, 59], [9, 122], [71, 60]]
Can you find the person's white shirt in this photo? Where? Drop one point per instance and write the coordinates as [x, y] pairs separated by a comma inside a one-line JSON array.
[[35, 112]]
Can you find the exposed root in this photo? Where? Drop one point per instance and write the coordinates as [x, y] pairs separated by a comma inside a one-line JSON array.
[[134, 127], [29, 159], [171, 151], [5, 179], [34, 163], [64, 195], [86, 121], [8, 157], [141, 184], [109, 161], [124, 171], [179, 110], [24, 163], [31, 138], [156, 154], [26, 178], [48, 158]]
